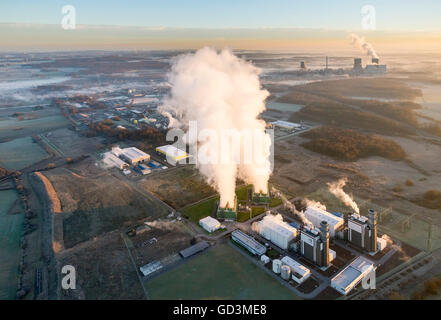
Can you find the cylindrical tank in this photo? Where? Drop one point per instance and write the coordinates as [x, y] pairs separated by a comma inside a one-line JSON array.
[[277, 264], [285, 272]]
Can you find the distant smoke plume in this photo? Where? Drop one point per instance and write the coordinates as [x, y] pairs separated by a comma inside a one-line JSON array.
[[221, 92], [364, 46], [336, 188]]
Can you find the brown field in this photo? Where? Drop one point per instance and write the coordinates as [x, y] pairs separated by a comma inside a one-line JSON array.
[[95, 201]]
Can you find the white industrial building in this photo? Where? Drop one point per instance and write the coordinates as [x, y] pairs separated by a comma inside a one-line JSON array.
[[134, 156], [248, 242], [352, 275], [110, 161], [291, 126], [316, 215], [209, 224], [298, 271], [173, 154], [276, 230], [150, 268]]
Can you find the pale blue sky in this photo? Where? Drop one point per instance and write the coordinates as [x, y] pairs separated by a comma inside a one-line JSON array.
[[330, 14]]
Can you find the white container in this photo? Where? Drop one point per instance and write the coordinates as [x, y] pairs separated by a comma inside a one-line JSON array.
[[277, 264]]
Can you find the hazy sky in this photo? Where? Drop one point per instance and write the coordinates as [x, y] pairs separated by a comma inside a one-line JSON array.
[[189, 23]]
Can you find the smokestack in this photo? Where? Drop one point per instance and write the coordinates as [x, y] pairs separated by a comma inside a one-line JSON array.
[[358, 63], [327, 63], [303, 65], [324, 236], [372, 220], [375, 61]]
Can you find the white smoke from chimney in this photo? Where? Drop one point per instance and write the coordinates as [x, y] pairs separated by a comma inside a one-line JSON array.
[[364, 46], [336, 188], [315, 204], [221, 92]]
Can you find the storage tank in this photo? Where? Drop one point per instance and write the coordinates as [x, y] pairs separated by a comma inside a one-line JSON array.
[[285, 272], [277, 264]]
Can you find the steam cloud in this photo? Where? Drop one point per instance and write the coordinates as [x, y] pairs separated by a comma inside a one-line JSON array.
[[364, 46], [221, 92], [336, 188], [287, 204]]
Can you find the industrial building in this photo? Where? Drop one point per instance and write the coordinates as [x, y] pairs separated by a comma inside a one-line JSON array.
[[132, 155], [370, 69], [190, 251], [277, 231], [362, 231], [150, 268], [285, 125], [316, 215], [299, 272], [314, 245], [228, 213], [110, 160], [173, 154], [248, 242], [209, 224], [352, 275]]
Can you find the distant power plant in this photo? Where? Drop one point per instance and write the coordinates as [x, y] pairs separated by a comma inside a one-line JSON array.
[[375, 68]]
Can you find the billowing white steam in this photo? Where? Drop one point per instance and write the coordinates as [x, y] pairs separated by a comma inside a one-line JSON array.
[[277, 219], [364, 46], [220, 91], [288, 205], [315, 204], [336, 188]]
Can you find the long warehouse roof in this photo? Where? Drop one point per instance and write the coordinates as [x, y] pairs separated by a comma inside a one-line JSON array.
[[173, 152]]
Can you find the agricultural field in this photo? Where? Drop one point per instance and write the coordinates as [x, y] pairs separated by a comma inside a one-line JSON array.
[[20, 153], [231, 277], [10, 230], [200, 210], [31, 122]]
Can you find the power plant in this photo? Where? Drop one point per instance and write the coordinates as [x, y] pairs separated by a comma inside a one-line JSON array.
[[362, 231]]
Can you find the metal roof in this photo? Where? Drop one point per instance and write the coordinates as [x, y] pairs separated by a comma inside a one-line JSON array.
[[200, 246], [353, 273], [173, 152], [249, 241], [323, 215]]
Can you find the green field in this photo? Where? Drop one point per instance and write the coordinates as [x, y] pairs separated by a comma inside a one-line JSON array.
[[20, 153], [219, 273], [416, 236], [10, 230], [200, 210]]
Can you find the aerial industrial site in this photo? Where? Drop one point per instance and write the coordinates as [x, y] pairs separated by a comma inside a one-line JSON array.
[[221, 173]]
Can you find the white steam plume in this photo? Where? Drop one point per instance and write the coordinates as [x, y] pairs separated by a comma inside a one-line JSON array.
[[291, 207], [336, 188], [221, 92], [364, 46]]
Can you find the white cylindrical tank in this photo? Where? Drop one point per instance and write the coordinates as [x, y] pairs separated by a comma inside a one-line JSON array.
[[285, 272], [277, 264]]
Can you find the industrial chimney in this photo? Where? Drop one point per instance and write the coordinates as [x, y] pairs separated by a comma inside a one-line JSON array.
[[375, 61], [358, 63], [372, 221], [324, 237], [303, 65]]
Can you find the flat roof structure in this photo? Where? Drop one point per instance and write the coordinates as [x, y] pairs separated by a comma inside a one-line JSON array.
[[350, 277], [317, 215], [110, 160], [286, 125], [173, 153], [210, 224], [134, 155], [248, 242], [198, 247], [299, 272], [150, 268]]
